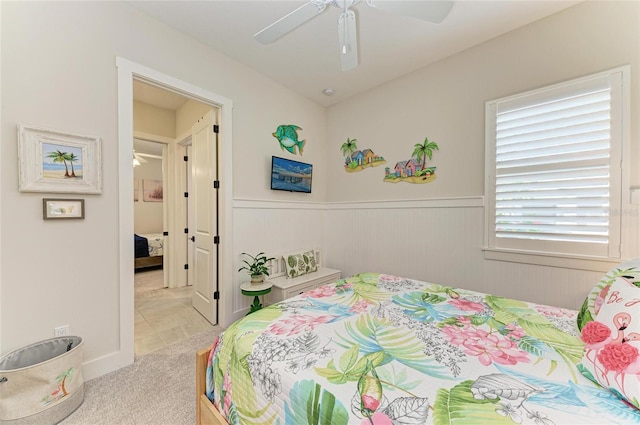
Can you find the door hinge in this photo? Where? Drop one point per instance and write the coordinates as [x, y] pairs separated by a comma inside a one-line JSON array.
[[216, 184], [186, 158], [193, 238], [216, 295], [216, 240], [186, 230], [165, 233], [186, 267], [216, 128], [186, 194]]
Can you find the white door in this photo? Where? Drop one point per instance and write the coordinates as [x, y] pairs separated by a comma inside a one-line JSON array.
[[203, 228]]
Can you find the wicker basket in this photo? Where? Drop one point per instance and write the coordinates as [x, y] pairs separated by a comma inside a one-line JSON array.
[[41, 383]]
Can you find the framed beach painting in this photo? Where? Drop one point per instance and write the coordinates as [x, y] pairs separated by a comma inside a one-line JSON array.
[[56, 161], [152, 190]]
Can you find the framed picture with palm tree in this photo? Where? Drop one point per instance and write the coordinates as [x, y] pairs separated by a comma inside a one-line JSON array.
[[56, 161]]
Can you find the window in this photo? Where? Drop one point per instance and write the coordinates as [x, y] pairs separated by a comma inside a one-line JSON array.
[[554, 168]]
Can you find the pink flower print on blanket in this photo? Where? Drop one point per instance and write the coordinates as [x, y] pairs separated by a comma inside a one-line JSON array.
[[360, 306], [226, 387], [466, 305], [488, 347], [297, 324], [378, 418], [321, 292]]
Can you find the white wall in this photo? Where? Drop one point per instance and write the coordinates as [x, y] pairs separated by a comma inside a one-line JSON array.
[[442, 241], [445, 101], [59, 61]]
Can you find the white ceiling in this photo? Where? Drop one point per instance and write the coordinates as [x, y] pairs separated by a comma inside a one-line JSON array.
[[307, 59]]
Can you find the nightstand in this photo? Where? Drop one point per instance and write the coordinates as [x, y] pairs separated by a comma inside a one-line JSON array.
[[284, 288], [253, 290]]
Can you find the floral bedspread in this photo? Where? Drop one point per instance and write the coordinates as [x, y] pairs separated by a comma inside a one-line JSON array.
[[380, 349]]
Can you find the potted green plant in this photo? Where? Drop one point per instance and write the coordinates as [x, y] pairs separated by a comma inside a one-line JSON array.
[[257, 268]]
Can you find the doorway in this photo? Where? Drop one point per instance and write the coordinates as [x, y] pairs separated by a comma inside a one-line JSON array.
[[163, 217], [127, 73]]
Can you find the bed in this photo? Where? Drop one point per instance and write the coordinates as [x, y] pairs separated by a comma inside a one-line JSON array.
[[148, 249], [381, 349]]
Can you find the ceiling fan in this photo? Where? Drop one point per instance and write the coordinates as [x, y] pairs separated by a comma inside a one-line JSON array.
[[138, 159], [432, 11]]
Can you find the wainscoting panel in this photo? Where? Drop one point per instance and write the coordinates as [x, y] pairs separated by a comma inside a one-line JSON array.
[[273, 228], [443, 245], [436, 241]]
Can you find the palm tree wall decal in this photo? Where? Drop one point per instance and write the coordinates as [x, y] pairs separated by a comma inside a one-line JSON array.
[[59, 156], [423, 150], [349, 147]]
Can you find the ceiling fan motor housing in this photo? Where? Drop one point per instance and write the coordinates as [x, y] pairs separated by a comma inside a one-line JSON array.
[[343, 4]]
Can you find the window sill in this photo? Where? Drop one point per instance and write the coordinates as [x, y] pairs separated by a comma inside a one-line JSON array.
[[552, 260]]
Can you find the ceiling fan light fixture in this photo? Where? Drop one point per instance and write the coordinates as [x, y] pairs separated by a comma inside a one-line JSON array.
[[137, 160], [431, 11]]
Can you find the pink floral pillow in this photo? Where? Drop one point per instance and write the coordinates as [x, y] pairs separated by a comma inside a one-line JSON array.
[[612, 342], [592, 303]]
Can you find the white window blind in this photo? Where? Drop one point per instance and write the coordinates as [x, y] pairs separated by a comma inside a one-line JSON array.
[[555, 168]]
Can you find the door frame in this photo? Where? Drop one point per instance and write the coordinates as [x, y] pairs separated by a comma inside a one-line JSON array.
[[127, 72]]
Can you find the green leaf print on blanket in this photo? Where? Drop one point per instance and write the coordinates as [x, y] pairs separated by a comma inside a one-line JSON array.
[[310, 404], [457, 406], [377, 335]]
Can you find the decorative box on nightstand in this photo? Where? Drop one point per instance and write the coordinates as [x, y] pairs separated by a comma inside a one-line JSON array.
[[284, 287]]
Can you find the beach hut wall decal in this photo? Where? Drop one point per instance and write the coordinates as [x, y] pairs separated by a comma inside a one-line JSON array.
[[414, 170], [357, 160]]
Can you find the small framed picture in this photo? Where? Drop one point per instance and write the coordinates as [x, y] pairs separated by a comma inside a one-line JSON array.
[[54, 209]]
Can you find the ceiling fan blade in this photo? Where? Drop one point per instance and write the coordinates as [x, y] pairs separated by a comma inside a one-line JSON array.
[[433, 11], [139, 157], [290, 22], [348, 40]]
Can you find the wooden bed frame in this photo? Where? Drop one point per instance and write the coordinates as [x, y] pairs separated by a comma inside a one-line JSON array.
[[144, 262], [206, 412]]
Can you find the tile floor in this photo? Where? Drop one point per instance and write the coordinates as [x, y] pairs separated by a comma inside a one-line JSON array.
[[163, 315]]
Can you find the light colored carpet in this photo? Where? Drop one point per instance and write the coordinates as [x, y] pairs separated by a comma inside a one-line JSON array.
[[157, 389]]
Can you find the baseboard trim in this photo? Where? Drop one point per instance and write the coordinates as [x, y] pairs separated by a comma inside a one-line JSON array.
[[105, 364]]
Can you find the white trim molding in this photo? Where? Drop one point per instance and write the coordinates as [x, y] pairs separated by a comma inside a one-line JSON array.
[[461, 202], [127, 72]]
